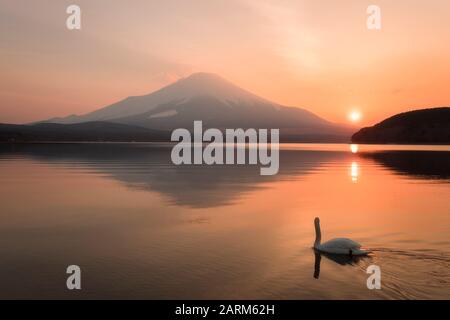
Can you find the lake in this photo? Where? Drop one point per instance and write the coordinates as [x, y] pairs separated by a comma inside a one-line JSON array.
[[140, 227]]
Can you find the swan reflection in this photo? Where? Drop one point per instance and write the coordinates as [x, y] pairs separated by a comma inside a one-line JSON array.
[[338, 258]]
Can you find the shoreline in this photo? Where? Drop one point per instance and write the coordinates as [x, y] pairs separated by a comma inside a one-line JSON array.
[[175, 142]]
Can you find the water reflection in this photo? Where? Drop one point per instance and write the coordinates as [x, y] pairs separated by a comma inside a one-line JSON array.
[[354, 173], [337, 258], [105, 206], [149, 167], [418, 164]]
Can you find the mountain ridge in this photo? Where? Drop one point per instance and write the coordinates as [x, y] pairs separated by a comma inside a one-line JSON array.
[[197, 84]]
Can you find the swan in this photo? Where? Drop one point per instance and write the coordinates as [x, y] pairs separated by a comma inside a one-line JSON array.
[[338, 245]]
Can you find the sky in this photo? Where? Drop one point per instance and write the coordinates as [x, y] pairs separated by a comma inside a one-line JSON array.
[[314, 54]]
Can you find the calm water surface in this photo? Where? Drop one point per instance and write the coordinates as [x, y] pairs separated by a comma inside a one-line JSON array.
[[140, 227]]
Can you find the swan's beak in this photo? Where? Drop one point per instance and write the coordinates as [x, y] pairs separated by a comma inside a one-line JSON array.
[[360, 252]]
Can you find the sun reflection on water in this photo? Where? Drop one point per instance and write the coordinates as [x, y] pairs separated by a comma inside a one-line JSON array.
[[354, 171]]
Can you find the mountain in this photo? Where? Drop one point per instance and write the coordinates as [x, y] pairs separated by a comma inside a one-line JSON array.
[[426, 126], [89, 131], [219, 104]]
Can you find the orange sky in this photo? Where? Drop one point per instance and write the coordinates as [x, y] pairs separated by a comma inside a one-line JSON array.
[[314, 54]]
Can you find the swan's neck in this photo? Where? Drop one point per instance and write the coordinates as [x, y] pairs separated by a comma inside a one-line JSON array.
[[318, 234]]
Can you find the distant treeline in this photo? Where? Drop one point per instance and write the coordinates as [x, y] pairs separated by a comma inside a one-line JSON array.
[[426, 126], [114, 132]]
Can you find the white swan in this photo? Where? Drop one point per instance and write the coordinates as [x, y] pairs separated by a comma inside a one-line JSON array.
[[338, 245]]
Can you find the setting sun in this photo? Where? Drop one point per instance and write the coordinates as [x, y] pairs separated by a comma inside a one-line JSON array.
[[354, 116]]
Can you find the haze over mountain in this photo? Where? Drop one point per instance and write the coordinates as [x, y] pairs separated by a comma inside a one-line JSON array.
[[219, 104]]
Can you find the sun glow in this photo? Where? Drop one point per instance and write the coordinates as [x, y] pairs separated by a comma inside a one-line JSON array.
[[354, 116]]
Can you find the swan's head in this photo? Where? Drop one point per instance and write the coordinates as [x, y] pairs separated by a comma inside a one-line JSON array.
[[316, 221]]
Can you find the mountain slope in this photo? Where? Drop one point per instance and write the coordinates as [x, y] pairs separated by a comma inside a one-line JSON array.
[[215, 101], [429, 126], [198, 84]]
